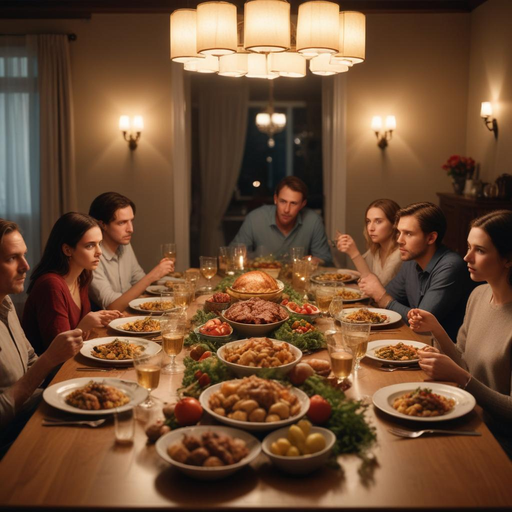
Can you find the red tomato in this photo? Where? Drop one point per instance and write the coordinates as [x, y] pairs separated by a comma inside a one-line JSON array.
[[205, 380], [205, 355], [284, 302], [319, 410], [188, 411], [292, 305], [216, 321], [308, 309], [225, 330], [303, 311], [198, 374]]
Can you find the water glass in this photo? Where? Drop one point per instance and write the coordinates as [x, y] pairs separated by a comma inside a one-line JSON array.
[[336, 307], [148, 368], [124, 426], [296, 253], [239, 256], [300, 275], [340, 354], [223, 259], [324, 296], [356, 336]]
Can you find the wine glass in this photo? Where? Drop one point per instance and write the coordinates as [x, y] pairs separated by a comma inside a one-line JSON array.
[[356, 336], [169, 251], [173, 327], [340, 354], [148, 368], [336, 307], [208, 266], [183, 294], [324, 296]]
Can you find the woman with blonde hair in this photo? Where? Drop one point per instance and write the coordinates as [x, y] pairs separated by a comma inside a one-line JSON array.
[[382, 257]]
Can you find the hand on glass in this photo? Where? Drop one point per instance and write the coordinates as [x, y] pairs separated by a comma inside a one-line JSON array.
[[165, 267], [64, 346], [371, 286]]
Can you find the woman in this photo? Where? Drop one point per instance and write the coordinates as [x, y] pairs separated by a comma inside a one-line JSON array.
[[382, 257], [481, 360], [58, 293]]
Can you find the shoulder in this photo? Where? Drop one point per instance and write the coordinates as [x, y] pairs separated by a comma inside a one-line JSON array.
[[481, 292], [450, 257], [49, 281], [262, 214], [308, 213]]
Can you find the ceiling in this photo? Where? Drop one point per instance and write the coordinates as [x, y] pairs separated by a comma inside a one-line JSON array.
[[85, 8]]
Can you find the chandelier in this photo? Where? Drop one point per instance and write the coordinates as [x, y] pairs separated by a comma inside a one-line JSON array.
[[265, 44], [270, 122]]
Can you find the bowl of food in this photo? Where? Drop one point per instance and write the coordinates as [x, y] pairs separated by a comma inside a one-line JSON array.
[[214, 330], [255, 317], [351, 294], [268, 265], [256, 283], [299, 449], [208, 452], [254, 355], [217, 302], [306, 310]]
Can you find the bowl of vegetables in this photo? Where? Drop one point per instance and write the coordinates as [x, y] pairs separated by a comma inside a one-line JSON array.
[[306, 311]]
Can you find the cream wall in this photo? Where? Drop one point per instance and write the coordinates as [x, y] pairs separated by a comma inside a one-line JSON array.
[[490, 79]]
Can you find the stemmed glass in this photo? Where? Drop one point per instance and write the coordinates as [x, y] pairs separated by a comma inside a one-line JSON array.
[[169, 251], [324, 296], [340, 354], [173, 327], [183, 294], [148, 368], [356, 336], [208, 266], [336, 307]]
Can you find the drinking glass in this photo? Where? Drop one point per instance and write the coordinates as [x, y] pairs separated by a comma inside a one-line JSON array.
[[239, 256], [184, 294], [296, 253], [169, 251], [192, 275], [340, 354], [173, 332], [324, 296], [124, 426], [300, 275], [336, 307], [223, 259], [208, 266], [148, 368], [356, 336]]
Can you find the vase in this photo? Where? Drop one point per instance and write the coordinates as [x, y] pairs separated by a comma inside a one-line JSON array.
[[458, 183]]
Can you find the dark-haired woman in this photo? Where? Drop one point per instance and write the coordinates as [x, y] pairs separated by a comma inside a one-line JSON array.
[[58, 292], [481, 360], [382, 257]]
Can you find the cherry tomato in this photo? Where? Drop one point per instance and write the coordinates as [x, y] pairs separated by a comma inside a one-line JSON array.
[[205, 380], [284, 302], [205, 355], [308, 309], [216, 321], [319, 410], [188, 411], [198, 374]]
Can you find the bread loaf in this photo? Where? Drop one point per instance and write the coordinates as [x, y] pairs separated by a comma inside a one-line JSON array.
[[255, 281]]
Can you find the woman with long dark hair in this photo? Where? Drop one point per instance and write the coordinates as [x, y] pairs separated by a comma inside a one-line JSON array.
[[58, 292], [382, 257], [481, 360]]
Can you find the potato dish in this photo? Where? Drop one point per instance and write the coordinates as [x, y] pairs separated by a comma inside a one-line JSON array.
[[334, 276], [96, 396], [349, 294], [398, 352], [365, 316], [147, 325], [424, 403], [157, 305], [117, 350], [259, 353], [254, 399]]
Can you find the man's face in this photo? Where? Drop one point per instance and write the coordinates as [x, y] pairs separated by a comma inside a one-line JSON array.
[[13, 265], [412, 241], [289, 203], [120, 230]]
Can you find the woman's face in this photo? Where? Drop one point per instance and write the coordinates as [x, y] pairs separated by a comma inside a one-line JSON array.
[[378, 227], [86, 254], [484, 261]]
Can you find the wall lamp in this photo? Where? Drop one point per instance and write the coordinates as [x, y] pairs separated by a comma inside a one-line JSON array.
[[383, 137], [486, 115], [136, 126]]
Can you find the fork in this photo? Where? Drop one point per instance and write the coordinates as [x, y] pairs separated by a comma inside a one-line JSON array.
[[396, 368], [48, 422], [410, 434]]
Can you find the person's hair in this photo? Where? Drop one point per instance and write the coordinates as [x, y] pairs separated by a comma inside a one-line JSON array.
[[6, 227], [69, 229], [498, 225], [105, 206], [430, 218], [295, 184], [390, 209]]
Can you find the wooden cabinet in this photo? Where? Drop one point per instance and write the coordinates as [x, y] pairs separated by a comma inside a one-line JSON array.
[[460, 211]]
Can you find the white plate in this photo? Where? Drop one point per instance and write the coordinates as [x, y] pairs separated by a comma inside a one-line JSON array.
[[375, 345], [464, 402], [211, 473], [135, 304], [254, 426], [355, 276], [87, 348], [393, 316], [55, 395], [156, 289], [115, 324], [357, 290], [168, 278]]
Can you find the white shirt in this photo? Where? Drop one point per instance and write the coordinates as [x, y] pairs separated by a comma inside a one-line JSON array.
[[389, 270]]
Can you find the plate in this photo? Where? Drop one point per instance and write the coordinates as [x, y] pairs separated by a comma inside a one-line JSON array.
[[464, 402], [354, 276], [362, 296], [393, 316], [150, 348], [55, 395], [204, 398], [375, 345], [211, 473], [156, 289], [135, 304], [116, 324], [169, 278]]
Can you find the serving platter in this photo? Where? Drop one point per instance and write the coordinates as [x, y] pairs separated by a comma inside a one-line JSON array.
[[150, 348]]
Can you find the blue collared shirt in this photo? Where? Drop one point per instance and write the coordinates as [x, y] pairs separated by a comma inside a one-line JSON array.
[[442, 288], [260, 230]]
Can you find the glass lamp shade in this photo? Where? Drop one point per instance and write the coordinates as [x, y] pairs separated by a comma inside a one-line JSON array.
[[208, 65], [138, 124], [234, 65], [263, 121], [279, 120], [318, 28], [376, 123], [290, 64], [183, 35], [390, 123], [267, 26], [321, 65], [216, 28], [124, 123], [352, 36], [257, 67], [486, 109]]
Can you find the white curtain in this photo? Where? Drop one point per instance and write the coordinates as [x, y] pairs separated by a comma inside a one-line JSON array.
[[334, 157], [58, 180], [223, 106]]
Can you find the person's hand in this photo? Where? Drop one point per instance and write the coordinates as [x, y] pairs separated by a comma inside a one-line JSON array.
[[165, 267], [346, 244], [96, 320], [422, 321], [440, 367], [64, 346], [371, 286]]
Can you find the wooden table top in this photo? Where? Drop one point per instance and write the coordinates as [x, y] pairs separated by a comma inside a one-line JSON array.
[[81, 467]]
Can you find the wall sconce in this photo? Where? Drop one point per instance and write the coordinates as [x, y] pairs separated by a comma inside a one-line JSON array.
[[486, 115], [136, 127], [383, 137]]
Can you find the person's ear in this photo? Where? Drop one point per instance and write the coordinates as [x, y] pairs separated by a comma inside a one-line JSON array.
[[66, 249], [275, 199], [431, 238]]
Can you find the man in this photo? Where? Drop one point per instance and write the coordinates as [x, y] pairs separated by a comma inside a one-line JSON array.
[[286, 224], [119, 278], [432, 277], [21, 371]]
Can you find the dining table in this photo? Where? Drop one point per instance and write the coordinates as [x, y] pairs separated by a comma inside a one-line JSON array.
[[83, 468]]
